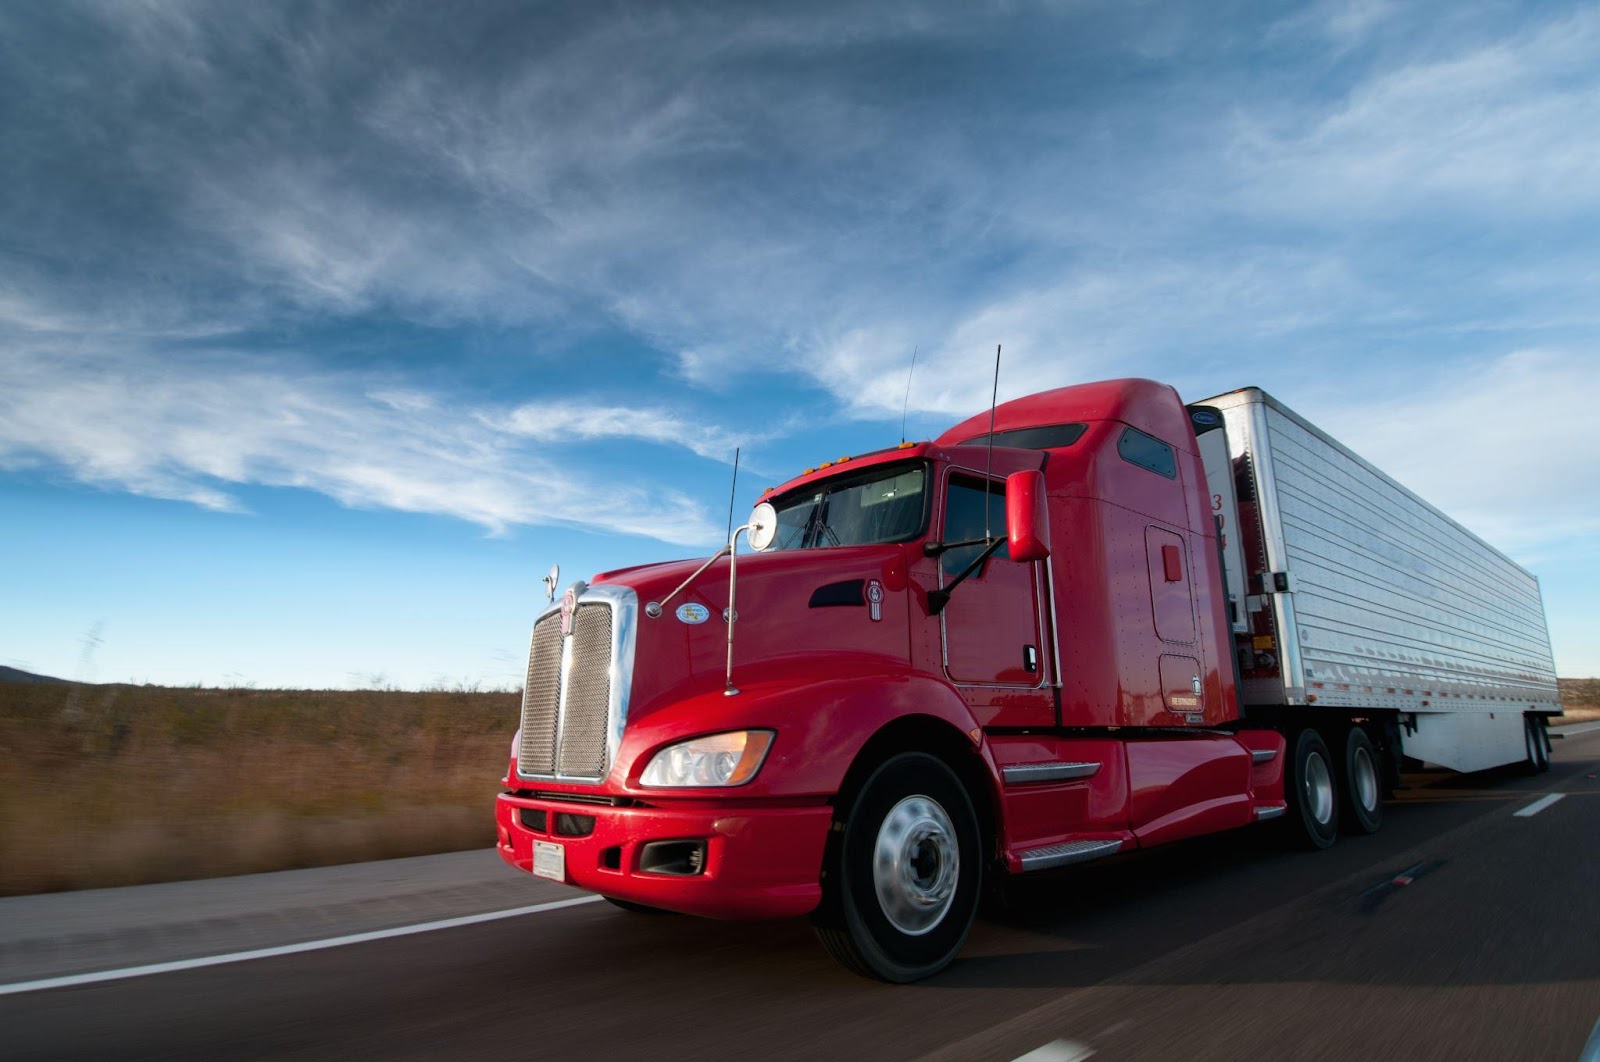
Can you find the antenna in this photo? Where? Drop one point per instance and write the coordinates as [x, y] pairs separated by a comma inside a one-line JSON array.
[[907, 404], [988, 470], [734, 486]]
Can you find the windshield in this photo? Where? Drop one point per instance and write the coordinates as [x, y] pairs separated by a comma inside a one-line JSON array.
[[885, 505]]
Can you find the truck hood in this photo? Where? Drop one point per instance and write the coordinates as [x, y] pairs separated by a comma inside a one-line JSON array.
[[798, 613]]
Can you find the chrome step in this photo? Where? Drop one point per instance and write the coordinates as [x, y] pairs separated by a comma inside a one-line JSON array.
[[1263, 814], [1262, 755], [1053, 771], [1060, 855]]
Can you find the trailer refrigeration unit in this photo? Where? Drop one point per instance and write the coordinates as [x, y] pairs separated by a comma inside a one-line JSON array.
[[1109, 622]]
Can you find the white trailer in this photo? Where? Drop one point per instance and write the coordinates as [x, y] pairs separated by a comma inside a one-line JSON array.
[[1350, 594]]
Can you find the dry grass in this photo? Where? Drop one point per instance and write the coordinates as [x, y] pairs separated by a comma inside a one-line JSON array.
[[1581, 699], [119, 785]]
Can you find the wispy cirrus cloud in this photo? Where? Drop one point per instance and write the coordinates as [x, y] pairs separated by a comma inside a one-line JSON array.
[[1483, 122], [1506, 445], [196, 429], [809, 194]]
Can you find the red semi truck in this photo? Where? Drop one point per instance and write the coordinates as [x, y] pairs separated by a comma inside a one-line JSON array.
[[1093, 620]]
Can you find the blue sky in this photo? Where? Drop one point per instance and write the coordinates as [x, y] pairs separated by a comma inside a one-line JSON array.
[[326, 328]]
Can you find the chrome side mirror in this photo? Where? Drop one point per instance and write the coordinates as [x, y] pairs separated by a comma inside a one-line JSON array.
[[763, 527]]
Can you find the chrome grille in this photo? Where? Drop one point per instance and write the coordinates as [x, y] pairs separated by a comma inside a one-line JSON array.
[[575, 700], [585, 718], [541, 699]]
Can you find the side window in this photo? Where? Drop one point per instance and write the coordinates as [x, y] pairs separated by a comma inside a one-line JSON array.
[[963, 521], [1146, 451]]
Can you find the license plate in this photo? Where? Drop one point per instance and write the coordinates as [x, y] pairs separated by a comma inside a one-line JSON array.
[[550, 860]]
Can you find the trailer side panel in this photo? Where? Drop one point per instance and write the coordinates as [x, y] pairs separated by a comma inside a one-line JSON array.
[[1389, 603]]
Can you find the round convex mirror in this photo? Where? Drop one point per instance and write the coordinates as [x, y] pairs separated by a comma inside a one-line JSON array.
[[763, 526]]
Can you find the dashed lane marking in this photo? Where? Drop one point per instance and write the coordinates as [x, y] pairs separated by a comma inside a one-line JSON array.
[[1539, 805], [1057, 1051], [286, 949]]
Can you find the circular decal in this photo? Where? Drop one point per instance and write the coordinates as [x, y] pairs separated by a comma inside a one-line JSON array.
[[693, 613]]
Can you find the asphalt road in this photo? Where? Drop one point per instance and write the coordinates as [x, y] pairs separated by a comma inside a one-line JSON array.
[[1461, 931]]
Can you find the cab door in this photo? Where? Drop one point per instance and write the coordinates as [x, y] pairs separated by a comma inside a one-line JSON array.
[[993, 638]]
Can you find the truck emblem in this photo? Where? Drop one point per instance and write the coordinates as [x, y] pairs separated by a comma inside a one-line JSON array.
[[689, 612], [569, 605], [875, 600]]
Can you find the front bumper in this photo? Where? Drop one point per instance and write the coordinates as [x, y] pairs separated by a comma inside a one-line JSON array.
[[760, 862]]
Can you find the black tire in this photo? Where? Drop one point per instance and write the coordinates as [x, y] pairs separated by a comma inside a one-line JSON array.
[[1537, 744], [635, 908], [1309, 788], [1360, 784], [903, 881]]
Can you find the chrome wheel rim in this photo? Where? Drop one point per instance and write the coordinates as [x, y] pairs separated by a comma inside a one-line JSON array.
[[915, 865], [1318, 788], [1364, 777]]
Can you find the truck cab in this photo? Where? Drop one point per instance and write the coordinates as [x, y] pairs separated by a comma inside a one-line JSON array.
[[996, 652]]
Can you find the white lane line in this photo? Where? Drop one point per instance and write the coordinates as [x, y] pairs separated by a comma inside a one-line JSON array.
[[1539, 805], [286, 949], [1057, 1051]]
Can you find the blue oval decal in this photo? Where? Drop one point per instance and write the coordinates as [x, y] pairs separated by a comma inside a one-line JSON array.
[[693, 613]]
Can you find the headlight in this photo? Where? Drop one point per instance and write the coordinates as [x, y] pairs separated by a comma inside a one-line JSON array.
[[715, 760]]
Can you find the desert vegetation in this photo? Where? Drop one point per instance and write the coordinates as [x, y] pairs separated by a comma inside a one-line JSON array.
[[118, 785], [1581, 699], [122, 785]]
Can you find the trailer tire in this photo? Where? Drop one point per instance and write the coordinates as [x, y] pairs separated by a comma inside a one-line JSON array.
[[905, 878], [1537, 744], [1313, 819], [1361, 784]]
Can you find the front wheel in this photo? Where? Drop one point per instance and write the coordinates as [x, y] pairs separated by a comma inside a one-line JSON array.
[[903, 882]]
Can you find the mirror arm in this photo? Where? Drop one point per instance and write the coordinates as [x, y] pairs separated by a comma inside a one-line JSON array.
[[653, 609], [934, 549], [938, 599]]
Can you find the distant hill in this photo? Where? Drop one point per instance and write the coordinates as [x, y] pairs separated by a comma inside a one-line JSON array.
[[11, 674]]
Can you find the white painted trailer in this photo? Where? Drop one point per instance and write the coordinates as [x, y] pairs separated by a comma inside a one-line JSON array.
[[1349, 593]]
